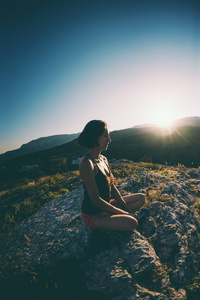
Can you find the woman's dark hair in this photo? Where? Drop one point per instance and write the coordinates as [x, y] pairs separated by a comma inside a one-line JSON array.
[[91, 132]]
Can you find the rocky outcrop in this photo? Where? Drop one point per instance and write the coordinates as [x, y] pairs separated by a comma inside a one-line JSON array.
[[156, 261]]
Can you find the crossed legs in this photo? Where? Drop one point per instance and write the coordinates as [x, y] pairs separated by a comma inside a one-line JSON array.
[[121, 222]]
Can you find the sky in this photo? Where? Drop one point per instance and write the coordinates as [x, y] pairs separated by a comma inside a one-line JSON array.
[[64, 63]]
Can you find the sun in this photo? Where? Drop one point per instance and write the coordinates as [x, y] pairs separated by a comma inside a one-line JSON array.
[[164, 121], [163, 115]]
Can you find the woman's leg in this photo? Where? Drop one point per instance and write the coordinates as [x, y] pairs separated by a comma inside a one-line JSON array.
[[135, 201], [115, 222]]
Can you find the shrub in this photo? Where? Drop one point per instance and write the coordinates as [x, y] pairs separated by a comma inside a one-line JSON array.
[[197, 205], [24, 197], [64, 191], [194, 287], [27, 207], [9, 219], [181, 167], [148, 165]]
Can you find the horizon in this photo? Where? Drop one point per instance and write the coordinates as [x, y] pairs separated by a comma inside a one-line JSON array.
[[128, 63], [168, 128]]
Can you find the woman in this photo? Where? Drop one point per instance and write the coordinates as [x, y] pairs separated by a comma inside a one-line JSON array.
[[103, 206]]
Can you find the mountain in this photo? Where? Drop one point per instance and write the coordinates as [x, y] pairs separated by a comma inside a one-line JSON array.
[[49, 142], [187, 121], [137, 144], [38, 145], [191, 121], [181, 146]]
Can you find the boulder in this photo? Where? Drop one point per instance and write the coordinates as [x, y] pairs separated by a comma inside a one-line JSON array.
[[156, 261]]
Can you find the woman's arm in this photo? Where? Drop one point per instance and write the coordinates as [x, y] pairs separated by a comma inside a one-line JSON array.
[[86, 168], [117, 196]]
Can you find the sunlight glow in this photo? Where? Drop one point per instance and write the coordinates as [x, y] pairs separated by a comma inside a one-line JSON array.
[[163, 114]]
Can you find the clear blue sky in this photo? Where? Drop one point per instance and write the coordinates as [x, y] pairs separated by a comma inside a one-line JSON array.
[[64, 63]]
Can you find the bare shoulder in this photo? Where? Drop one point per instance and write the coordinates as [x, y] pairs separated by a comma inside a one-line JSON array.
[[86, 164], [86, 169]]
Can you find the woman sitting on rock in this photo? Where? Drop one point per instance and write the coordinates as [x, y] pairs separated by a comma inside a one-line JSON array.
[[103, 206]]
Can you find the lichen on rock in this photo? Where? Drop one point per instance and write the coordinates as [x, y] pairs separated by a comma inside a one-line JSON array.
[[156, 261]]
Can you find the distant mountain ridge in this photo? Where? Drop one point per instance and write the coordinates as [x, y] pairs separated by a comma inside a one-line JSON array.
[[39, 144], [48, 142], [192, 121], [187, 121], [137, 137]]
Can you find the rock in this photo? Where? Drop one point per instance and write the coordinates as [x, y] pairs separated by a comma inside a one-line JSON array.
[[156, 261], [112, 269], [144, 293], [54, 232], [177, 295], [194, 173]]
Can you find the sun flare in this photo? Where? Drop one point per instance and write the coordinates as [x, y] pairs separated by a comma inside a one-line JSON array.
[[164, 121], [163, 115]]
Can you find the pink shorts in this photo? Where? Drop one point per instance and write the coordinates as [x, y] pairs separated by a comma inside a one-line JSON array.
[[89, 220]]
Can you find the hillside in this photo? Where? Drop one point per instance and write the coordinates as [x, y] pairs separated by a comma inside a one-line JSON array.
[[137, 144], [38, 145], [192, 121], [182, 146], [57, 140], [53, 255]]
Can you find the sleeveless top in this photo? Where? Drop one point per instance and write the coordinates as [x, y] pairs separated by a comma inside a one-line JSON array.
[[104, 183]]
